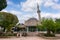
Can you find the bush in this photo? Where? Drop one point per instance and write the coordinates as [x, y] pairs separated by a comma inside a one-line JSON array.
[[6, 35], [49, 35]]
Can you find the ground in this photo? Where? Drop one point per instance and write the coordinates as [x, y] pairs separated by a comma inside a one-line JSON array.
[[27, 38]]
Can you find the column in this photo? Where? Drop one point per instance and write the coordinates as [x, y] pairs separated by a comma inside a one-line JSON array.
[[27, 29], [37, 30]]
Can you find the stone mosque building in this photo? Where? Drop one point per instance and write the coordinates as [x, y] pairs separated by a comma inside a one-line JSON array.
[[30, 25]]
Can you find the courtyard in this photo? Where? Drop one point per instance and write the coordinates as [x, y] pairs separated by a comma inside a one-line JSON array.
[[27, 38]]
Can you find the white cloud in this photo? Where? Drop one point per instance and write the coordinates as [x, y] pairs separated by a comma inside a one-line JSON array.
[[15, 12], [48, 3], [9, 2], [4, 11], [30, 4], [52, 15], [56, 6], [52, 3]]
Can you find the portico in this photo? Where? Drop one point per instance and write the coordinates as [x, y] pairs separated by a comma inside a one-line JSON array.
[[32, 29]]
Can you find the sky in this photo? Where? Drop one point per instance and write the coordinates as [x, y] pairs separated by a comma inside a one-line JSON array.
[[25, 9]]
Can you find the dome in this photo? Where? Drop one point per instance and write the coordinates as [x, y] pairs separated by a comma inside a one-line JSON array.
[[32, 19], [31, 22]]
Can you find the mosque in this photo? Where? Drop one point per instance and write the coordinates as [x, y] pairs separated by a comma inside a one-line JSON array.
[[30, 25]]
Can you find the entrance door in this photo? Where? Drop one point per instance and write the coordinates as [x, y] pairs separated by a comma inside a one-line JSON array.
[[32, 29]]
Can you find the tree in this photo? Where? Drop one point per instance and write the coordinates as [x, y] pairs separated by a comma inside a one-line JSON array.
[[49, 25], [57, 20], [41, 28], [3, 4], [8, 20], [58, 25]]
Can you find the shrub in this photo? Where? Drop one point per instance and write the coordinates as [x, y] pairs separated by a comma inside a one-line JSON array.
[[45, 35]]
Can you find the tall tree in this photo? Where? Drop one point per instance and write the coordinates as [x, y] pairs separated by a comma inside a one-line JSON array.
[[8, 20], [3, 4]]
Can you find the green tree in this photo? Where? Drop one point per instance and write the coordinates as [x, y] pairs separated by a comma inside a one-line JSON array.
[[58, 25], [41, 28], [57, 20], [49, 25], [8, 20], [3, 4]]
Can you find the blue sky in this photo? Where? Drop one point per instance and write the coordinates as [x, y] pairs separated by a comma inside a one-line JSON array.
[[25, 9]]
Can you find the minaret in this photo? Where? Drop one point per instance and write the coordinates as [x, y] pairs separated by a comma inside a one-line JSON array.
[[38, 12]]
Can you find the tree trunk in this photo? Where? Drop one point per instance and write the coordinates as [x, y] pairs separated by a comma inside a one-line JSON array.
[[48, 32]]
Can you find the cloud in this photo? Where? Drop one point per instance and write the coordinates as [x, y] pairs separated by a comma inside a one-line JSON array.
[[29, 5], [48, 3], [52, 3], [4, 11], [56, 6], [52, 15], [56, 1], [11, 3], [15, 12]]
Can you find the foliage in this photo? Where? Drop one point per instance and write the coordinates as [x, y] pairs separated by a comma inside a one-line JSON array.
[[57, 20], [3, 4], [41, 28], [49, 25], [58, 25], [8, 20]]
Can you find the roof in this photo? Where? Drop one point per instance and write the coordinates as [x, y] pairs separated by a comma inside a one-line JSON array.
[[31, 22], [32, 19], [21, 26]]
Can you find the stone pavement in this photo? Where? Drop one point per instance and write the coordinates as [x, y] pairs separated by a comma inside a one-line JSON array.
[[27, 38]]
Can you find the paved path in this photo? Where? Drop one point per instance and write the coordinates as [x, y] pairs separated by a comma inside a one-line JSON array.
[[27, 38], [24, 38]]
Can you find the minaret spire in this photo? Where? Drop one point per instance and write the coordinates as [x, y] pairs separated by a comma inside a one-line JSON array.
[[38, 7], [38, 12]]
